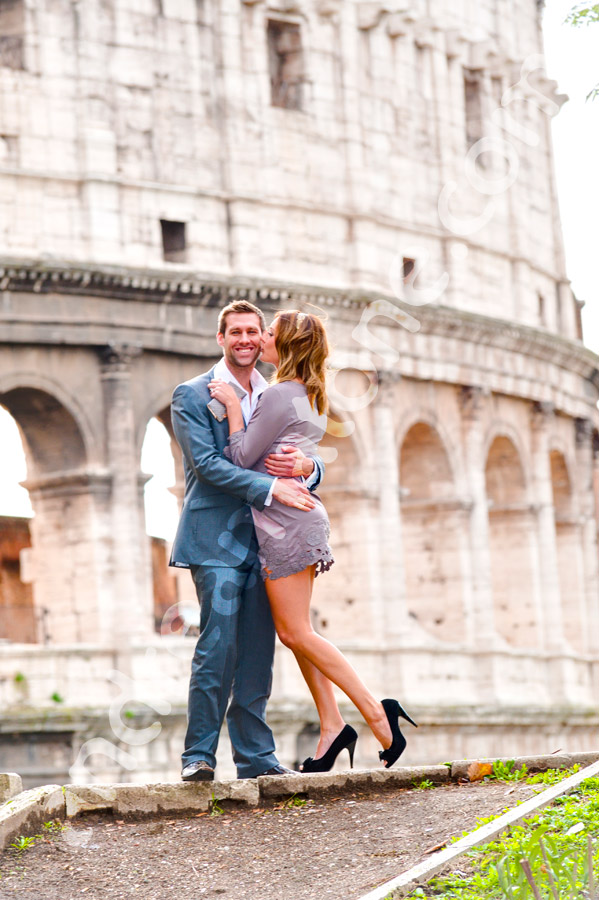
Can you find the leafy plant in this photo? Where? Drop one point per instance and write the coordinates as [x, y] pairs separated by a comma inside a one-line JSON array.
[[57, 697], [506, 771], [22, 843], [53, 826], [424, 785], [292, 802], [19, 678], [552, 776], [215, 807]]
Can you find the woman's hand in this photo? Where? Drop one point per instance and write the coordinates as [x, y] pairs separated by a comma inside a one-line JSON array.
[[223, 392]]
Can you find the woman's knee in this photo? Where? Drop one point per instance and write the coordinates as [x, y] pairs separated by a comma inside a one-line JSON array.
[[295, 639]]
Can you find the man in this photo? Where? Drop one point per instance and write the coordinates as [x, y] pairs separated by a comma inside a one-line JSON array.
[[216, 540]]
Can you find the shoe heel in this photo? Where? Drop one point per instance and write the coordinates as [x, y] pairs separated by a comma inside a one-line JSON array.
[[350, 749], [404, 715]]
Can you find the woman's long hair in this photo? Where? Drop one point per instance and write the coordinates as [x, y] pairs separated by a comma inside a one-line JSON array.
[[302, 347]]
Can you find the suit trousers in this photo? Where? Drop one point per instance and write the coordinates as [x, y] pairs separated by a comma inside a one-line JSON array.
[[233, 659]]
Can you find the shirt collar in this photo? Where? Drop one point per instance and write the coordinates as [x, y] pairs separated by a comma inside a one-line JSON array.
[[222, 371]]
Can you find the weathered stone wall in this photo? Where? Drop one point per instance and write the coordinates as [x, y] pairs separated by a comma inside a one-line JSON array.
[[128, 113]]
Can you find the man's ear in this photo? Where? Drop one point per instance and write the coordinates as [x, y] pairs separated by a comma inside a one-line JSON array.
[[220, 339]]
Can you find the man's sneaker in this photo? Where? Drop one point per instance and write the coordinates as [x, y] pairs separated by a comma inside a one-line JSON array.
[[198, 771]]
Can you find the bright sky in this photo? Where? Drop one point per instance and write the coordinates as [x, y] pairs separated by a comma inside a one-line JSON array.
[[572, 58]]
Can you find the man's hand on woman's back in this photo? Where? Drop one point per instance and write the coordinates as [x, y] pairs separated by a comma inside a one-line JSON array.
[[292, 493]]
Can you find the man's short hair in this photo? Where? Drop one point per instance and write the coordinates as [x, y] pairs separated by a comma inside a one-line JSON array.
[[239, 306]]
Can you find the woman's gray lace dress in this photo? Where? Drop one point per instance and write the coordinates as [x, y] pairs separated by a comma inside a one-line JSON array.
[[290, 539]]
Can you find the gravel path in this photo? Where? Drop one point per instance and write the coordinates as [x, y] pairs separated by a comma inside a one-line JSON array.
[[339, 848]]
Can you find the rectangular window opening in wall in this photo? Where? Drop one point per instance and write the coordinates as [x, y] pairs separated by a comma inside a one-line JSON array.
[[473, 106], [542, 311], [497, 88], [174, 247], [286, 64], [407, 270], [12, 28]]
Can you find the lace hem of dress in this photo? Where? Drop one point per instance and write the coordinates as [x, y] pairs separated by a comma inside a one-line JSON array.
[[280, 562]]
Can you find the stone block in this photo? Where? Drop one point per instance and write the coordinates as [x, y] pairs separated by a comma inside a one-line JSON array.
[[10, 785], [584, 759], [275, 786], [459, 768], [155, 799], [24, 814]]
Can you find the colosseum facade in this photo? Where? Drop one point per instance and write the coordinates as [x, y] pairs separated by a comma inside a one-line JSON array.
[[391, 165]]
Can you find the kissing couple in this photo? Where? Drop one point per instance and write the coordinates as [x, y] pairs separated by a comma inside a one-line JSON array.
[[255, 536]]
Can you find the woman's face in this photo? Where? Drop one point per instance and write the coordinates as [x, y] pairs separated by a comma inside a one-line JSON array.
[[269, 351]]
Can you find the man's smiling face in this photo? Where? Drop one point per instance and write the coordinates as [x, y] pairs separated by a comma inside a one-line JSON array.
[[242, 340]]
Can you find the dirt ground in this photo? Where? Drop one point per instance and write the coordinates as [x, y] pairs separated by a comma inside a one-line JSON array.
[[338, 848]]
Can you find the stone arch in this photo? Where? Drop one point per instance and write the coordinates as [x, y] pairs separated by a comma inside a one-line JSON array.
[[424, 464], [420, 416], [512, 530], [510, 442], [433, 527], [53, 440], [63, 493], [24, 383], [568, 540]]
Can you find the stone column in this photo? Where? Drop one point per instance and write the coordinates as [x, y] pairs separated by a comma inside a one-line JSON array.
[[588, 527], [483, 614], [550, 610], [66, 563], [132, 595], [393, 608]]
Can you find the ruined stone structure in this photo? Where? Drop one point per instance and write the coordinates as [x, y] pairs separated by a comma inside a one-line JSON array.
[[391, 164]]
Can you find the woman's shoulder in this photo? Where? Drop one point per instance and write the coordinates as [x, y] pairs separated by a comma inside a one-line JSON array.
[[285, 390]]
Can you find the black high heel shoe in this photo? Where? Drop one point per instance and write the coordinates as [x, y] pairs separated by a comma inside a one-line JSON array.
[[393, 711], [346, 739]]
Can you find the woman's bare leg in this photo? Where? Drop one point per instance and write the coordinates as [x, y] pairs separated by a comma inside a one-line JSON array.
[[331, 720], [321, 688], [290, 606]]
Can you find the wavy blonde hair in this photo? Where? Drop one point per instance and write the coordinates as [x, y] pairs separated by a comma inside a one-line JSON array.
[[302, 347]]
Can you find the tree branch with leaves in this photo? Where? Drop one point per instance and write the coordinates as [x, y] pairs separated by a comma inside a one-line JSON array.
[[583, 15]]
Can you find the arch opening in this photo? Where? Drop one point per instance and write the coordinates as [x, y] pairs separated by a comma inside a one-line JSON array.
[[570, 565], [174, 600], [512, 530], [59, 560], [17, 611], [343, 597], [433, 532]]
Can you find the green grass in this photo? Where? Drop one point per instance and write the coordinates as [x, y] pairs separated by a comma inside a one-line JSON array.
[[557, 844]]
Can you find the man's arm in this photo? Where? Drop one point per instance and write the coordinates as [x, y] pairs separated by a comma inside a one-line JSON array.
[[191, 424], [291, 462], [196, 439]]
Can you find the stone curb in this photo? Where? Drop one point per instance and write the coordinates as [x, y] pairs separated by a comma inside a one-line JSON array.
[[10, 785], [24, 813], [156, 799], [424, 871]]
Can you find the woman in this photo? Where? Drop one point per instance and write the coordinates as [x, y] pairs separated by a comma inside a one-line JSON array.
[[293, 542]]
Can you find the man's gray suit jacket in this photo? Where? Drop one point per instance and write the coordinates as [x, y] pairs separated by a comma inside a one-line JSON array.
[[216, 525]]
